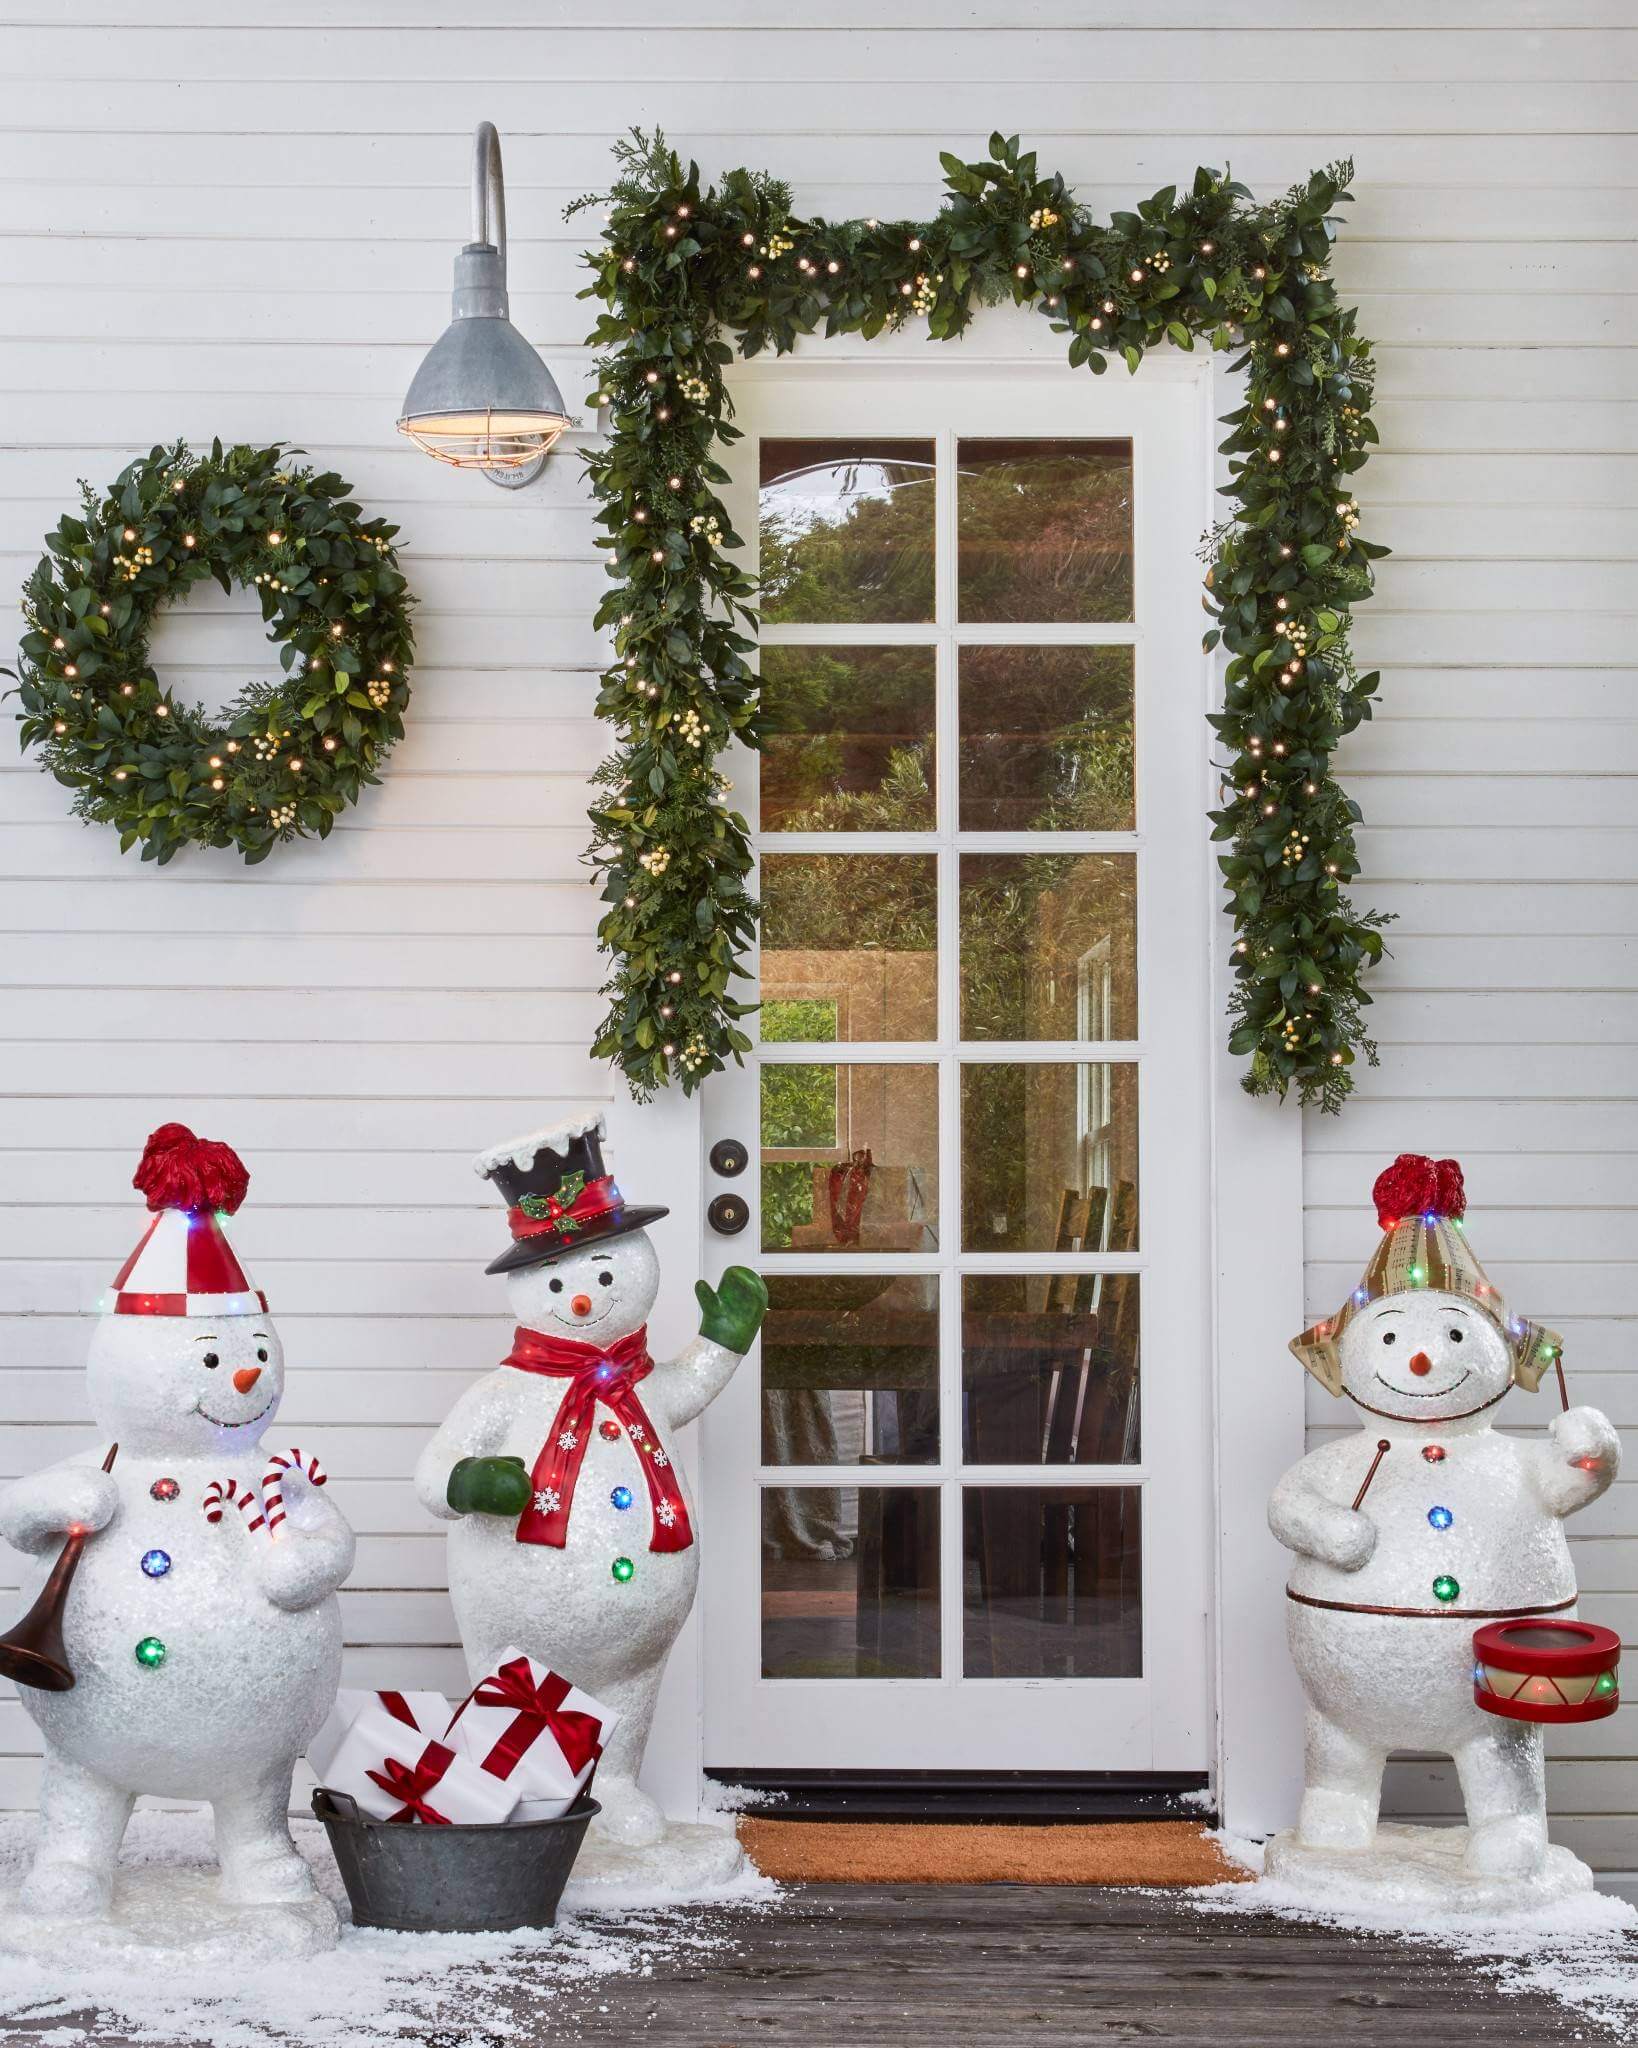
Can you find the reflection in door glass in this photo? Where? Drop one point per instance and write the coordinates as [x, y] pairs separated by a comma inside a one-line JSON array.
[[850, 1582], [1049, 1364], [846, 530], [850, 1369], [850, 745], [1039, 1143], [1048, 945], [849, 1157], [1052, 1582], [1046, 739], [849, 940], [1044, 531]]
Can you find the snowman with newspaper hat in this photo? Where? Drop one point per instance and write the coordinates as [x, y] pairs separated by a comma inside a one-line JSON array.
[[1411, 1535], [573, 1529]]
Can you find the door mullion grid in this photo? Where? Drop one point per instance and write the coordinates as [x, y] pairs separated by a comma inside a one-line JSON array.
[[949, 1075]]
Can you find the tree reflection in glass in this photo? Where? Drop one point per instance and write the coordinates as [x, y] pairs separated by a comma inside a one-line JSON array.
[[846, 532], [1046, 739]]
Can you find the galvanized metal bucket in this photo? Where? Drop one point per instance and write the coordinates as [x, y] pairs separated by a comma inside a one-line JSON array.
[[456, 1879]]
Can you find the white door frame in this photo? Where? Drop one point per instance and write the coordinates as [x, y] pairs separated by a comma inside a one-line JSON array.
[[1257, 1418]]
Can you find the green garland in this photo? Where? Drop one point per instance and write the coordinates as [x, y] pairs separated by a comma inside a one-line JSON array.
[[285, 758], [681, 265]]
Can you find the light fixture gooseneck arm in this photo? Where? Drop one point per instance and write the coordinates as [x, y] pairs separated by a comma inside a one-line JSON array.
[[489, 192]]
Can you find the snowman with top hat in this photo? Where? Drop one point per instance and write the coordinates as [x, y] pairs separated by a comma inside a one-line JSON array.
[[1409, 1535], [573, 1534], [200, 1633]]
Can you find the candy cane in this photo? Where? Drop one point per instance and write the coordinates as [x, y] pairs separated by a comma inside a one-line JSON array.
[[225, 1493], [273, 1483]]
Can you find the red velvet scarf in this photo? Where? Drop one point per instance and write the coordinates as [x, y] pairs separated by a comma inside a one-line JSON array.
[[607, 1373]]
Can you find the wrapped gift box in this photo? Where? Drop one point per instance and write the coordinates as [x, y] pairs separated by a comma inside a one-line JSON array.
[[399, 1773], [533, 1731], [427, 1711]]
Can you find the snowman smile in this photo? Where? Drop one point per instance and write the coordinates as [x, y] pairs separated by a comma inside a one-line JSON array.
[[1416, 1394], [582, 1322], [226, 1422]]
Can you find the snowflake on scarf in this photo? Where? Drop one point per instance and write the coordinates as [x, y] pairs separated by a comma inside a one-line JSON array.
[[666, 1512], [548, 1500], [567, 1440]]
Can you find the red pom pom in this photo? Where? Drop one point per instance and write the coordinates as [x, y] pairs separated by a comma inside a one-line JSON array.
[[1417, 1186], [180, 1171]]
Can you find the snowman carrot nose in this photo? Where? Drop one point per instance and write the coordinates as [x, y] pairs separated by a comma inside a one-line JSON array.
[[581, 1304], [246, 1377], [1421, 1364]]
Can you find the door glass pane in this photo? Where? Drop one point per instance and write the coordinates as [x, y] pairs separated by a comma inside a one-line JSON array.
[[849, 946], [1048, 945], [1052, 1582], [851, 745], [1044, 531], [849, 1157], [1049, 1368], [1046, 739], [850, 1369], [846, 528], [1042, 1145], [850, 1582]]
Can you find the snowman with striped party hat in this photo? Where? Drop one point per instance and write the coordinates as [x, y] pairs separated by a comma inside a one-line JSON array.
[[201, 1628], [1409, 1535]]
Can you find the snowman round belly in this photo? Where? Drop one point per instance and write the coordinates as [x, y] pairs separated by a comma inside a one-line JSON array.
[[578, 1608], [238, 1685]]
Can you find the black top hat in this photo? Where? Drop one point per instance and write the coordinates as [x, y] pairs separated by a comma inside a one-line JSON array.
[[559, 1194]]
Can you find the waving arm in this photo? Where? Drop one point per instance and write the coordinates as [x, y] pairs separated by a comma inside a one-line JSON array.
[[730, 1316]]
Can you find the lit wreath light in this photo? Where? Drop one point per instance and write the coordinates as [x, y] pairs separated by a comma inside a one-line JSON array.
[[1536, 1670], [285, 758], [690, 274]]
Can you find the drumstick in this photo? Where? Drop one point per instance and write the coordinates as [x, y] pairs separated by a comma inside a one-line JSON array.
[[1382, 1447]]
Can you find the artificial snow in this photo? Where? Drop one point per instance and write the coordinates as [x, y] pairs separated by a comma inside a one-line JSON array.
[[522, 1152], [1582, 1951], [377, 1990]]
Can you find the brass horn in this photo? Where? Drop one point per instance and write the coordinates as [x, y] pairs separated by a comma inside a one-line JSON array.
[[32, 1652]]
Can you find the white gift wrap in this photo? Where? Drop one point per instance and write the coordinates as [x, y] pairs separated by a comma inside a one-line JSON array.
[[543, 1780], [431, 1713], [463, 1794]]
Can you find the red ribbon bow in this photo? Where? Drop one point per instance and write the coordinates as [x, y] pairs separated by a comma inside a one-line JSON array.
[[413, 1786], [595, 1373], [577, 1734]]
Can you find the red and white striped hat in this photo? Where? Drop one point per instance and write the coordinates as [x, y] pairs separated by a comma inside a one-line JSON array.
[[184, 1265]]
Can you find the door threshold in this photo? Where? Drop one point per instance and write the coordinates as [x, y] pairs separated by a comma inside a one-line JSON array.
[[1037, 1797]]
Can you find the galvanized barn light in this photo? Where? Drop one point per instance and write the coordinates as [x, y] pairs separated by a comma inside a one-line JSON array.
[[483, 399]]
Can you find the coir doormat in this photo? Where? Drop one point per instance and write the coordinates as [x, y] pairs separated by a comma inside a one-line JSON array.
[[1168, 1852]]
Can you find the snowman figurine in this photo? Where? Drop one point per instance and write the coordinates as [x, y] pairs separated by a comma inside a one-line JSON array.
[[201, 1627], [1457, 1526], [573, 1530]]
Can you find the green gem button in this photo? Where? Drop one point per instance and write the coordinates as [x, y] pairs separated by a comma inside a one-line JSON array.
[[150, 1652], [1445, 1589], [622, 1568]]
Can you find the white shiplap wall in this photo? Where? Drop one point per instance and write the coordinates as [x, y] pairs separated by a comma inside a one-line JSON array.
[[239, 221]]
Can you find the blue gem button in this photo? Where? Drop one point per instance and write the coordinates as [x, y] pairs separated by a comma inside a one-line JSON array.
[[1440, 1518], [621, 1496], [156, 1563]]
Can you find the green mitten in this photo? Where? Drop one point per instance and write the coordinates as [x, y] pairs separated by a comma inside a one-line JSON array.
[[488, 1486], [731, 1315]]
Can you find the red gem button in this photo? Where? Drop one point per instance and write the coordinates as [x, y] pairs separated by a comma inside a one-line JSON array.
[[164, 1489], [1434, 1453], [609, 1430]]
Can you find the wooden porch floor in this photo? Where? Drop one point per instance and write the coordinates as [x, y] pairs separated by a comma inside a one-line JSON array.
[[984, 1967]]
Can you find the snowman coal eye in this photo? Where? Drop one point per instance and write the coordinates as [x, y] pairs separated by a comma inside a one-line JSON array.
[[212, 1360], [262, 1355], [1390, 1336], [605, 1279], [1455, 1336], [556, 1286]]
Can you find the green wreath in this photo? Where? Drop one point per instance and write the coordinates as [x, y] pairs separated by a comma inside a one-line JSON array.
[[284, 758]]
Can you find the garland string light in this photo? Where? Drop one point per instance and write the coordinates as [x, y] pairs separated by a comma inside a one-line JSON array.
[[284, 758], [683, 266]]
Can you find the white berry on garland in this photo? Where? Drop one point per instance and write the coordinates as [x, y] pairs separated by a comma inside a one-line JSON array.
[[284, 759]]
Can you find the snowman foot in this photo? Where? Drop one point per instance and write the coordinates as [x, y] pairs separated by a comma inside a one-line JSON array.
[[61, 1890], [1515, 1845], [629, 1816], [1333, 1819], [258, 1860]]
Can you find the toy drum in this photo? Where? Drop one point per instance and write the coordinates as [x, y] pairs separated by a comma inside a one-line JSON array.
[[1543, 1670]]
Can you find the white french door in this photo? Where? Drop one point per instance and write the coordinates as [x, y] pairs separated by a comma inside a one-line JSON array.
[[959, 1501]]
